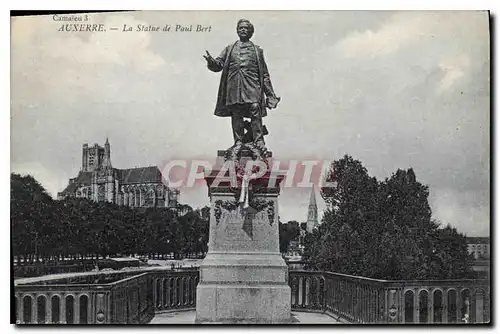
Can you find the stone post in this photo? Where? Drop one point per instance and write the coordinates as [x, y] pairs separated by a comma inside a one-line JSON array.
[[76, 309], [20, 309], [34, 309], [62, 310], [48, 309]]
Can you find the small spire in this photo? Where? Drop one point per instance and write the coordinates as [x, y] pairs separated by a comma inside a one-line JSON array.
[[312, 212], [312, 199], [107, 142]]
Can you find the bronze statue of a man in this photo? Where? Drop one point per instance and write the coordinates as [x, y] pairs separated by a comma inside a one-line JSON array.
[[245, 88]]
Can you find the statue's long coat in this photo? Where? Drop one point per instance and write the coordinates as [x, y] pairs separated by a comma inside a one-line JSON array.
[[222, 63]]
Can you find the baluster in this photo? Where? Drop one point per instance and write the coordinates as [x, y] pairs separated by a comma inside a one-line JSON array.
[[366, 301], [351, 306], [325, 294], [430, 306], [444, 310], [167, 291], [346, 297], [416, 307], [342, 300], [190, 285], [297, 291], [176, 291], [306, 291], [161, 298], [459, 306], [300, 296], [374, 309], [320, 295], [90, 307], [337, 298], [48, 309], [34, 309], [372, 306], [180, 287], [359, 302], [193, 293], [155, 292], [312, 292], [185, 291]]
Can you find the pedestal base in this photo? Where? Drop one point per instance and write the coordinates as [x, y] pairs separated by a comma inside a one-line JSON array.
[[243, 288], [243, 303]]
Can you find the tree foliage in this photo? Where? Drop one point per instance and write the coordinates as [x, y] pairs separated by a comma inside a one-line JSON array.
[[287, 233], [47, 229], [383, 229]]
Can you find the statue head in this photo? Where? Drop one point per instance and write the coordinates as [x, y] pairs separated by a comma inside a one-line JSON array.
[[244, 29]]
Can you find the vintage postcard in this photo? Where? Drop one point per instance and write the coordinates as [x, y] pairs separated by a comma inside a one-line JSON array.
[[242, 167]]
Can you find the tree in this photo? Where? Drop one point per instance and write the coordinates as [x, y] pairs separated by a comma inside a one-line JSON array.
[[79, 228], [287, 233], [31, 217], [382, 229]]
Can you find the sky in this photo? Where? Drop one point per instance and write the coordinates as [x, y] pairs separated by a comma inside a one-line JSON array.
[[391, 89]]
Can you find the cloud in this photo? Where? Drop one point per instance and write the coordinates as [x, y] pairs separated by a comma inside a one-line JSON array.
[[50, 63], [400, 30], [454, 208], [453, 68]]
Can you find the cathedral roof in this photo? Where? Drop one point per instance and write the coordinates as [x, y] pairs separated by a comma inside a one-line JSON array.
[[138, 175], [150, 174], [83, 178]]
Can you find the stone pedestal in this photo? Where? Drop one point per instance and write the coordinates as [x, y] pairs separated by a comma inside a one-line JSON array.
[[243, 278]]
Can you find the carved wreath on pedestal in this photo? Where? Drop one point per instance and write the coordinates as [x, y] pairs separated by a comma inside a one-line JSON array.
[[256, 203]]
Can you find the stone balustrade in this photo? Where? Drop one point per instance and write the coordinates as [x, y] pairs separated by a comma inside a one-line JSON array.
[[364, 300], [89, 299], [131, 298], [174, 290]]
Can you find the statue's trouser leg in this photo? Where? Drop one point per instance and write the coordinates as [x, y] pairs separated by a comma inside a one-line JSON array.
[[256, 121], [238, 127]]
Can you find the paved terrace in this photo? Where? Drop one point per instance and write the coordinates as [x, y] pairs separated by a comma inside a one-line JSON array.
[[187, 317]]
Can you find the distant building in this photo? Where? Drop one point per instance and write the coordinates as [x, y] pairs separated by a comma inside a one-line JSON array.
[[133, 187], [312, 212], [479, 247]]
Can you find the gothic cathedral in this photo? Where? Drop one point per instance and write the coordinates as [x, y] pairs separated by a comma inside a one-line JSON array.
[[134, 187]]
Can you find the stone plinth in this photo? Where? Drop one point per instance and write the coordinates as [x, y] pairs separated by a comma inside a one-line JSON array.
[[243, 278]]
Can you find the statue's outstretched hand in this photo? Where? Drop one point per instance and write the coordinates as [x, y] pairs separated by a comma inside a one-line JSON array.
[[209, 58]]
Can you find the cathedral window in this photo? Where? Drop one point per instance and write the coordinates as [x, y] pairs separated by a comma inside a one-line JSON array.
[[150, 198]]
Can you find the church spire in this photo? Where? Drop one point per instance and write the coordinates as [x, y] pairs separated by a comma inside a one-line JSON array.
[[312, 212], [312, 199]]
